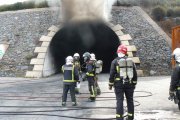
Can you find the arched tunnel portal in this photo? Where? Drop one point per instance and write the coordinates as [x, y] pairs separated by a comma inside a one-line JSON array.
[[94, 37]]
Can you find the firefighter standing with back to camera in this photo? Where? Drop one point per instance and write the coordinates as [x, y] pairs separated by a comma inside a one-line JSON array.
[[71, 76], [90, 75], [174, 90], [123, 77]]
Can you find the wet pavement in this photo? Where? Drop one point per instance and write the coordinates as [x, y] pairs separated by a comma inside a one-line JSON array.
[[40, 99]]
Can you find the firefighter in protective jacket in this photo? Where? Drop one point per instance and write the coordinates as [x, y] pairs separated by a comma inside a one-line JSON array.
[[93, 59], [71, 76], [90, 75], [175, 77], [77, 64], [123, 77]]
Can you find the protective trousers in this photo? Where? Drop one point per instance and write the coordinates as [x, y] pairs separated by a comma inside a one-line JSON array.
[[66, 88], [178, 96], [91, 85], [119, 91], [98, 90]]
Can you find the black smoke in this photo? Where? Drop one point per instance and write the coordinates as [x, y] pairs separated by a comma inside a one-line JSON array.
[[94, 37]]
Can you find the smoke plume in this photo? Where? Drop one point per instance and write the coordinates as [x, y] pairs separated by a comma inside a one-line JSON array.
[[82, 9], [86, 9], [85, 36]]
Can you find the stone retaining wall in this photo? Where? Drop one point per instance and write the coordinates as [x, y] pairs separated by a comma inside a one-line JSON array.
[[23, 29], [152, 46]]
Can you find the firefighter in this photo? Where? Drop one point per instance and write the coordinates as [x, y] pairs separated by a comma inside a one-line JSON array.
[[176, 55], [123, 77], [175, 77], [70, 74], [76, 62], [90, 74], [93, 59]]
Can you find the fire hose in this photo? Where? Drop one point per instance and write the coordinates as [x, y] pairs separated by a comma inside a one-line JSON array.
[[43, 112]]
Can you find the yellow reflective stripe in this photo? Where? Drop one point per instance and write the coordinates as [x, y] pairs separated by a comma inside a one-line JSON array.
[[69, 81], [178, 88], [88, 74], [118, 69], [134, 81], [73, 73], [129, 114], [118, 115], [117, 79], [111, 83], [93, 95]]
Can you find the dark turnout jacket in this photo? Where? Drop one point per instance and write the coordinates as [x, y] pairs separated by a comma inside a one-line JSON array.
[[175, 78], [114, 74], [70, 74], [90, 69]]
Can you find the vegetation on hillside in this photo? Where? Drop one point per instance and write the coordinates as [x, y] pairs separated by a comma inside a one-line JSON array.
[[23, 5], [165, 12]]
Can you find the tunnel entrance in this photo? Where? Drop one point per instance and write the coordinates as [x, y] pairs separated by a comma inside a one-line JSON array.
[[94, 37]]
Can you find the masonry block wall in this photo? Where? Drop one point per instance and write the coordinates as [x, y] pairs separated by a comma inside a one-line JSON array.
[[22, 30], [153, 48]]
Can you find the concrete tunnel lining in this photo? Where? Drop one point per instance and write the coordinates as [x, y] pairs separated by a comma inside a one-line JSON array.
[[94, 37]]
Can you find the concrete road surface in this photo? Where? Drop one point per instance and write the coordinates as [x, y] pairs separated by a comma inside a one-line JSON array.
[[40, 99]]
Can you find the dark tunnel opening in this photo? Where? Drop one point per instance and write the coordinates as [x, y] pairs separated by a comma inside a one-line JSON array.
[[79, 37]]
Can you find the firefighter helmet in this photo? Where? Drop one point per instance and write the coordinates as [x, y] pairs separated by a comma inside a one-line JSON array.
[[86, 56], [176, 54], [93, 57], [122, 49], [69, 60], [76, 56]]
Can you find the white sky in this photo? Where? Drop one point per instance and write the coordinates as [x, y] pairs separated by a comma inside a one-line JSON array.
[[2, 2]]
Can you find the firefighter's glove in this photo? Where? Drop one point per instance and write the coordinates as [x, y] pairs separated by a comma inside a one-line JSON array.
[[171, 94], [134, 83], [110, 87], [84, 78]]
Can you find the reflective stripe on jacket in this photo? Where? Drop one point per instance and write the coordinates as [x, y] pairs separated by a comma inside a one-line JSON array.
[[115, 72], [90, 68], [70, 73]]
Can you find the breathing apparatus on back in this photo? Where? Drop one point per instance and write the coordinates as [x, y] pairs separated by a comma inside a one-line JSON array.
[[98, 63], [125, 64]]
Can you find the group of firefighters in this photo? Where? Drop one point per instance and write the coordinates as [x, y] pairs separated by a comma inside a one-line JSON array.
[[123, 77], [72, 73]]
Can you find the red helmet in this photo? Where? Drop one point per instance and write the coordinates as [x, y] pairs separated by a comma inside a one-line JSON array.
[[122, 49]]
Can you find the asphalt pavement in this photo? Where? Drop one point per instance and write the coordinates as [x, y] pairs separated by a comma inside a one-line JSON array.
[[40, 99]]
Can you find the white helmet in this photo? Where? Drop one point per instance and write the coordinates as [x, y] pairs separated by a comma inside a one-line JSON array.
[[93, 57], [176, 54], [69, 60], [76, 55]]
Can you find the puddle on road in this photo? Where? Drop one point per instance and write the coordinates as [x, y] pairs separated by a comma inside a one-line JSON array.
[[157, 115]]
